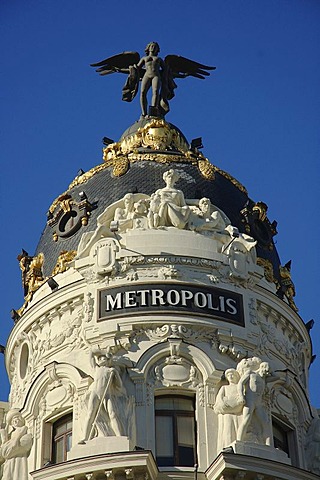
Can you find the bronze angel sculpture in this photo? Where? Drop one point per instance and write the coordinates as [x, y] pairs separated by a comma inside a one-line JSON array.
[[154, 72]]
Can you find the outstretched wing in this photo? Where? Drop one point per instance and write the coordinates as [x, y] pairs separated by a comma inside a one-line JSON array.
[[117, 63], [181, 67]]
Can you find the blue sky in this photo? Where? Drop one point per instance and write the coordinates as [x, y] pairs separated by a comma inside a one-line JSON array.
[[258, 113]]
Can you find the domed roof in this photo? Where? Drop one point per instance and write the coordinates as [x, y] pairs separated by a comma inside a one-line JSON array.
[[136, 164]]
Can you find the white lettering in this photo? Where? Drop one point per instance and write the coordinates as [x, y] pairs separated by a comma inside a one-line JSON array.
[[172, 293], [222, 306], [143, 295], [197, 302], [157, 297], [113, 303], [129, 299], [210, 302], [185, 295], [231, 303]]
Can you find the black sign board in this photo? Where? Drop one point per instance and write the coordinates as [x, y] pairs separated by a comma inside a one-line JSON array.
[[171, 297]]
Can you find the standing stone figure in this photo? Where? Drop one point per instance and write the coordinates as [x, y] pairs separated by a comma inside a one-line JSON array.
[[252, 385], [313, 447], [228, 405], [107, 405], [15, 447]]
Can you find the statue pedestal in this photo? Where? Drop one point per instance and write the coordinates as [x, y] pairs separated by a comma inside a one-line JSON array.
[[177, 242], [101, 445], [261, 451]]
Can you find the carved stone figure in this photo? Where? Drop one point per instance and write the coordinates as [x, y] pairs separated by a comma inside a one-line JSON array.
[[65, 257], [207, 218], [313, 447], [153, 214], [24, 260], [229, 404], [32, 276], [287, 288], [108, 402], [15, 447], [126, 213], [154, 73], [172, 208], [252, 386]]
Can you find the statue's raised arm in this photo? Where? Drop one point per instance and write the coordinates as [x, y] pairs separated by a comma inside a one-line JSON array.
[[155, 73]]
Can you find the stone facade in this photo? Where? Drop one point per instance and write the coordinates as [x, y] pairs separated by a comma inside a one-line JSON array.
[[164, 299]]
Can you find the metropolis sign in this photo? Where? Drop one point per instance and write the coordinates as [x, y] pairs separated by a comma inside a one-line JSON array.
[[139, 299]]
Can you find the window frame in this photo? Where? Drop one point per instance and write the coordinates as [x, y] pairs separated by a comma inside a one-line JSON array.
[[290, 439], [65, 435], [174, 414]]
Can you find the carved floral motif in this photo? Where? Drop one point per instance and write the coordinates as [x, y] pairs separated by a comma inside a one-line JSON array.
[[42, 338], [270, 341]]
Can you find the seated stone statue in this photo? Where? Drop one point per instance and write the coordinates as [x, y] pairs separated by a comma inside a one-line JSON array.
[[15, 447], [169, 208]]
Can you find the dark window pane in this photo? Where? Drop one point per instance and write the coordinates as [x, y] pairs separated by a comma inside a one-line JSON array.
[[186, 456], [174, 403], [175, 431], [280, 437], [185, 427], [164, 436], [59, 450]]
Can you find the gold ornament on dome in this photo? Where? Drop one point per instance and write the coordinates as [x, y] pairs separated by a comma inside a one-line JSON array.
[[287, 286], [262, 209], [157, 135], [268, 270], [67, 215], [120, 166], [63, 261], [32, 276], [161, 143], [206, 169]]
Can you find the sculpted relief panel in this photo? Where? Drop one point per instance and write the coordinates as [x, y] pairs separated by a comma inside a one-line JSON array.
[[34, 348], [164, 210], [242, 404], [275, 337]]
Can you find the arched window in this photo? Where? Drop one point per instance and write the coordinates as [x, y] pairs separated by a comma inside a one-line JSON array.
[[175, 431], [61, 438]]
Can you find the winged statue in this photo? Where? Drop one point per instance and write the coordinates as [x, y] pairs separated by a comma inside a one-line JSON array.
[[153, 72]]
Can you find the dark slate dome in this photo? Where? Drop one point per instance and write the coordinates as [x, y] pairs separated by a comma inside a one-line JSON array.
[[142, 165]]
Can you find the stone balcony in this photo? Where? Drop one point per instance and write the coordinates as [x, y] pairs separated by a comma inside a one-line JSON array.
[[137, 465]]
